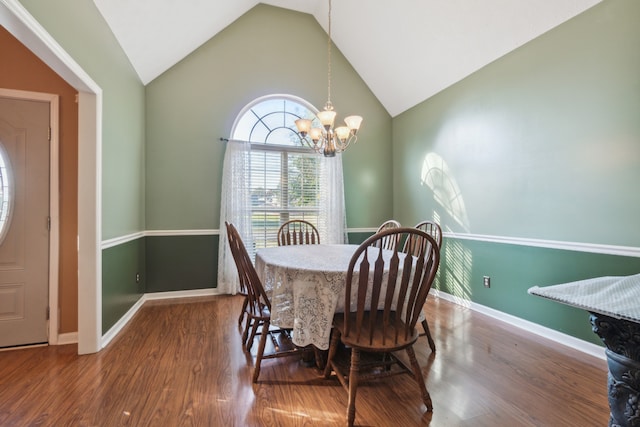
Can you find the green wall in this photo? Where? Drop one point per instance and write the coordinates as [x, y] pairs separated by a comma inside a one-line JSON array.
[[120, 290], [267, 50], [542, 144], [181, 262], [189, 262], [82, 32], [515, 268]]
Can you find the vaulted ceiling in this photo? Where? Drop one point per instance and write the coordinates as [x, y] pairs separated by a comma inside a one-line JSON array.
[[405, 50]]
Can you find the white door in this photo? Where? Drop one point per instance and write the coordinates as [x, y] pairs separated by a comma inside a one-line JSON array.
[[24, 221]]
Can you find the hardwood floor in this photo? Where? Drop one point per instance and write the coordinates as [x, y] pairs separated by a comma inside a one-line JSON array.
[[180, 363]]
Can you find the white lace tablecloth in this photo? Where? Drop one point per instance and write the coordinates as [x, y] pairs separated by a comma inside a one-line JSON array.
[[614, 296], [306, 286]]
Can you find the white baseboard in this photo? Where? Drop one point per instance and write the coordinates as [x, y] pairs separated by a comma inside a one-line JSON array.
[[120, 324], [182, 294], [559, 337], [67, 338], [553, 335]]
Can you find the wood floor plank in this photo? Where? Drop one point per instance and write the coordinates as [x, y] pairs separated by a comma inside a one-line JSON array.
[[181, 363]]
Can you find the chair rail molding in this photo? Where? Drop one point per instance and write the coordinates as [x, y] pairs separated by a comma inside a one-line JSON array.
[[541, 243], [550, 244]]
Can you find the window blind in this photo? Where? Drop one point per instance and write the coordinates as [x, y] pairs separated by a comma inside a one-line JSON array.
[[284, 185]]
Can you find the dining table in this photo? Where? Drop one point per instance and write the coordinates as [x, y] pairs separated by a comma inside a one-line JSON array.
[[306, 287]]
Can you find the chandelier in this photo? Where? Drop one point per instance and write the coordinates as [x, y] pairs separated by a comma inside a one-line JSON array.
[[327, 139]]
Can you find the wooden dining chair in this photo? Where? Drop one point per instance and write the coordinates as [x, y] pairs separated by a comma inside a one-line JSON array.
[[435, 231], [389, 291], [298, 232], [391, 241], [258, 309], [243, 286]]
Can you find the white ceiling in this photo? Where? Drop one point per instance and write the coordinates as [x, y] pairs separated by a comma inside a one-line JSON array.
[[405, 50]]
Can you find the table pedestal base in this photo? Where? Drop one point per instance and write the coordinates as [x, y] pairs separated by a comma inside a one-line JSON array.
[[622, 339]]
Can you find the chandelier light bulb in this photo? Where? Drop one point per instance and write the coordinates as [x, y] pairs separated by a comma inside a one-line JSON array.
[[353, 122], [315, 134], [304, 126], [327, 118]]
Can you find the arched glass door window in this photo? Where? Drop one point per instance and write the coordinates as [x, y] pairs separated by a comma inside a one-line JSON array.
[[6, 193]]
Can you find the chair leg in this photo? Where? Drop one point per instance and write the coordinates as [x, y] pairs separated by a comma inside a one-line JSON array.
[[247, 324], [319, 356], [261, 346], [353, 385], [254, 330], [333, 346], [427, 332], [417, 375], [245, 333], [244, 329], [243, 311]]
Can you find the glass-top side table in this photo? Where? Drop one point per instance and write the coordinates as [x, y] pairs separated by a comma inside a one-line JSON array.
[[614, 306]]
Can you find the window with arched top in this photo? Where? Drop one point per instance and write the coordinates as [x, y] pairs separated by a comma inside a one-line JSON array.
[[270, 176], [285, 178], [271, 121]]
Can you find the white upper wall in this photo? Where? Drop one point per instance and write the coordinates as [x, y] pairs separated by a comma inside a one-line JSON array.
[[406, 50]]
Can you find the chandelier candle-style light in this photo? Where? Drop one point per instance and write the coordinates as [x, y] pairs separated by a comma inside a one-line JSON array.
[[327, 139]]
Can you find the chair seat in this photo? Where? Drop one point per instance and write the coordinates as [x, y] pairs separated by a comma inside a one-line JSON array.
[[384, 339], [260, 313]]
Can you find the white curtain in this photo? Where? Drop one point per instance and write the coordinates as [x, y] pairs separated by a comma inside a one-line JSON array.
[[235, 207], [332, 219]]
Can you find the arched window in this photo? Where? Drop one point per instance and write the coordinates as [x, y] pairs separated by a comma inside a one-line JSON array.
[[271, 120], [285, 174], [271, 176]]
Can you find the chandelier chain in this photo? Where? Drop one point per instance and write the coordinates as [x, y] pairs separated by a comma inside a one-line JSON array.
[[329, 60]]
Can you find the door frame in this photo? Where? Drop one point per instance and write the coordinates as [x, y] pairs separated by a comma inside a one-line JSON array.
[[24, 27], [53, 323]]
